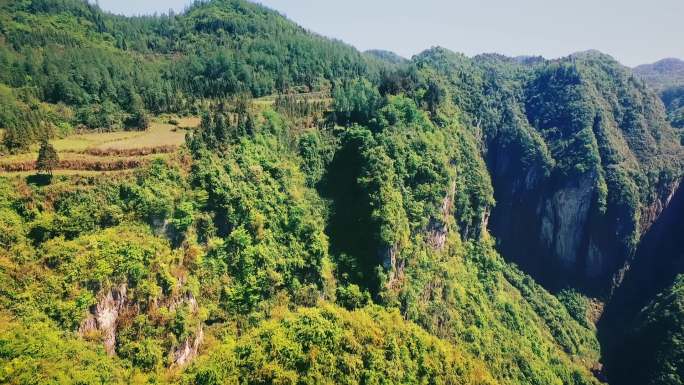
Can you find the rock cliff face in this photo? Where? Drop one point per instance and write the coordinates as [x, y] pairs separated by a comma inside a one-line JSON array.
[[187, 351], [556, 232], [393, 265], [564, 216], [581, 157], [438, 227], [105, 318], [104, 315], [580, 172], [661, 200], [545, 225]]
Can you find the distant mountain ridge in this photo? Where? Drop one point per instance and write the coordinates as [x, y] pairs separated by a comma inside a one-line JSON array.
[[662, 74], [666, 76]]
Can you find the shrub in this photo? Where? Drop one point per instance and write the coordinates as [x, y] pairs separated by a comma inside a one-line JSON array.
[[351, 297]]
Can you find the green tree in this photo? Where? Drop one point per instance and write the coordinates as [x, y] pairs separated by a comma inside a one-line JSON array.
[[47, 158], [138, 120]]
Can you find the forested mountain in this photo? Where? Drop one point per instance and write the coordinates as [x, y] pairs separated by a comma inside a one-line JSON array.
[[667, 77], [578, 150], [674, 102], [662, 74], [337, 216], [65, 63]]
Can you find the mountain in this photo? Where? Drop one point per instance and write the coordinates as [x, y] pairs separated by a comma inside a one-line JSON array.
[[581, 157], [667, 77], [662, 74], [337, 216], [67, 63], [674, 102]]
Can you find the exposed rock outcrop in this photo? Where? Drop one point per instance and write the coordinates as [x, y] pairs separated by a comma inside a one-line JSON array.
[[393, 265], [553, 227], [104, 315], [658, 260], [185, 299], [437, 229], [187, 351], [652, 211], [564, 218]]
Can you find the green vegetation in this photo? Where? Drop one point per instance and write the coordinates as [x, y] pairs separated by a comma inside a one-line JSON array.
[[663, 74], [386, 56], [667, 77], [37, 352], [674, 103], [582, 128], [47, 158], [326, 219], [67, 63], [659, 333], [326, 344], [234, 252]]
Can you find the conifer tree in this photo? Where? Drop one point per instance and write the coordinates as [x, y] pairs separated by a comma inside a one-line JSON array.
[[47, 158]]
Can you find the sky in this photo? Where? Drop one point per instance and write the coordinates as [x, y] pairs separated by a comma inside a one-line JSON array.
[[633, 31]]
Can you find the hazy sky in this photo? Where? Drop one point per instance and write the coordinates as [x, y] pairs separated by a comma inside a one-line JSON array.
[[633, 31]]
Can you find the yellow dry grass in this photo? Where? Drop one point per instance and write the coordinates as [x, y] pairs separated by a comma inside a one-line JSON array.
[[159, 134], [318, 96], [189, 122]]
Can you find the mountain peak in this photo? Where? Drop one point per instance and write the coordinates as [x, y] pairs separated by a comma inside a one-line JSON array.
[[664, 73], [663, 65]]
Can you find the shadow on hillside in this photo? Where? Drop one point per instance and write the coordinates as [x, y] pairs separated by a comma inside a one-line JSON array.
[[349, 228], [39, 179], [659, 259]]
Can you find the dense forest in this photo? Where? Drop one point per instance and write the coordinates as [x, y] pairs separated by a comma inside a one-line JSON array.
[[337, 216], [66, 63], [667, 77]]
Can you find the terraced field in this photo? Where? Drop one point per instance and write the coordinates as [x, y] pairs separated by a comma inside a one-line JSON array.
[[106, 151]]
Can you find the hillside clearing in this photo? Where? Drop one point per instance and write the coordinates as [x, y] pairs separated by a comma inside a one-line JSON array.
[[107, 151]]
